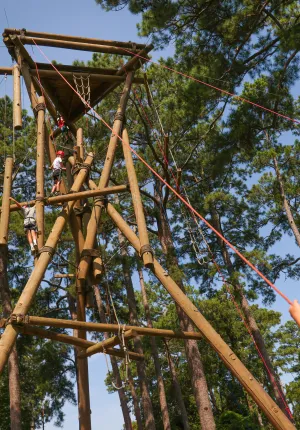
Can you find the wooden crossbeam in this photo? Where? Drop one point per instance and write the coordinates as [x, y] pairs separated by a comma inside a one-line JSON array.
[[107, 343], [6, 70], [96, 76], [79, 46], [106, 328], [72, 340], [75, 196], [64, 275], [37, 34]]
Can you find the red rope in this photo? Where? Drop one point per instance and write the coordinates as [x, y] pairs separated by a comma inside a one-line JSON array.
[[240, 312], [214, 87], [194, 212], [174, 191]]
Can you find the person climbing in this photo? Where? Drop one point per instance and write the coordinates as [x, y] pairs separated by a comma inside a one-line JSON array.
[[64, 128], [57, 167], [30, 227], [295, 311], [62, 124]]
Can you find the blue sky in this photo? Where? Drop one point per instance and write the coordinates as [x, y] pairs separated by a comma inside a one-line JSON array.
[[85, 18]]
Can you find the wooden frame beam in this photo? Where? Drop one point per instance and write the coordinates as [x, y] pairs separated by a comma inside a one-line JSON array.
[[65, 37], [104, 328], [99, 77], [107, 343], [78, 46], [73, 340], [75, 196]]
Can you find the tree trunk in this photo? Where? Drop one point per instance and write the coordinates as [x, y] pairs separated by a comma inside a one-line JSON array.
[[141, 370], [160, 382], [251, 322], [114, 364], [13, 367], [193, 356], [177, 390], [73, 314], [285, 203], [135, 401]]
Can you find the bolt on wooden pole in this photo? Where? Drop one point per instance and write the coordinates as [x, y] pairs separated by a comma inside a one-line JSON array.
[[40, 170], [146, 252], [276, 417], [23, 304], [96, 213], [17, 106]]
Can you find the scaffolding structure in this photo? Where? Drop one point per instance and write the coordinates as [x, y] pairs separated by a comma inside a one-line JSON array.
[[48, 89]]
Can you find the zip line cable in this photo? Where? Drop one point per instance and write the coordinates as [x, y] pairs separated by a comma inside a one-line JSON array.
[[174, 191]]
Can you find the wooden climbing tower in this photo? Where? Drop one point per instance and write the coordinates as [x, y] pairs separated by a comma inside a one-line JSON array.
[[72, 91]]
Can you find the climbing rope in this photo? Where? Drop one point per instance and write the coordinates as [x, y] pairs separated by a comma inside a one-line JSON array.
[[83, 88]]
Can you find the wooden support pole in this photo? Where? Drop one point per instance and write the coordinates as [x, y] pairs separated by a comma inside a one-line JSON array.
[[17, 105], [13, 368], [276, 417], [40, 170], [9, 163], [71, 340], [107, 343], [146, 251], [37, 34], [79, 141], [107, 328], [75, 196], [79, 46], [23, 304], [96, 213]]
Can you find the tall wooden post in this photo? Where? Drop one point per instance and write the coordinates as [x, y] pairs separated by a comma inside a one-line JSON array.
[[79, 139], [13, 368], [40, 168], [110, 156], [9, 336], [82, 365], [17, 106], [231, 361], [146, 252]]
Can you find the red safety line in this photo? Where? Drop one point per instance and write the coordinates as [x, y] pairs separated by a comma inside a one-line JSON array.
[[214, 87], [174, 191], [240, 312]]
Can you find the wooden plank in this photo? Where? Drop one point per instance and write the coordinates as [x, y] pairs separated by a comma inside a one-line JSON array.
[[93, 76]]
